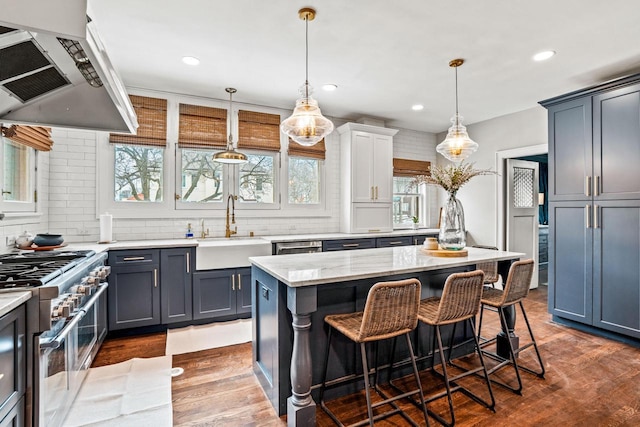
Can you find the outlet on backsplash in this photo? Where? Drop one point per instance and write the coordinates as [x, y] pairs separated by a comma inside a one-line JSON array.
[[10, 241], [83, 232]]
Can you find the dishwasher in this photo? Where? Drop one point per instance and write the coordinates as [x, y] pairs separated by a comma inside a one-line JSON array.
[[298, 247]]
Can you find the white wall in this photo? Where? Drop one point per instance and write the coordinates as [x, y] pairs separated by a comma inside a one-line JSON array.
[[479, 196], [68, 193]]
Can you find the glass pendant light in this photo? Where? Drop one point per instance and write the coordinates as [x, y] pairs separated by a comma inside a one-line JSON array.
[[306, 126], [457, 146], [230, 155]]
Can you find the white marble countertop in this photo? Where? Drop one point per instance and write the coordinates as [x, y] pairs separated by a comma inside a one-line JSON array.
[[341, 266], [12, 300]]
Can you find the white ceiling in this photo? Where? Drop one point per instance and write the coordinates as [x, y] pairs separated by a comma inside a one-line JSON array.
[[384, 55]]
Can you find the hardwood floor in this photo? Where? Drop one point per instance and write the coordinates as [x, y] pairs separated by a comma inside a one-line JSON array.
[[590, 381]]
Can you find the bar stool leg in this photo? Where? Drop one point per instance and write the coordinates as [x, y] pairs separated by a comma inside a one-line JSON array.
[[512, 356], [443, 362], [325, 366], [416, 375], [535, 346], [365, 368]]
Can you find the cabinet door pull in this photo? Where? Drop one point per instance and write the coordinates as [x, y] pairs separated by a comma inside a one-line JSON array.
[[376, 192], [350, 245], [596, 189], [596, 208], [372, 193], [188, 263], [155, 277], [587, 218], [587, 186], [233, 282], [239, 282], [397, 242], [133, 258]]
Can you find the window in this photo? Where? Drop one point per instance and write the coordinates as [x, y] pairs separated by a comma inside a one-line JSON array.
[[409, 201], [139, 159], [202, 178], [304, 173], [257, 179], [138, 173], [304, 181], [19, 159]]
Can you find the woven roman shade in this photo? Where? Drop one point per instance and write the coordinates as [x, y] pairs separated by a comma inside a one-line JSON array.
[[152, 120], [37, 137], [316, 151], [202, 127], [406, 167], [258, 131]]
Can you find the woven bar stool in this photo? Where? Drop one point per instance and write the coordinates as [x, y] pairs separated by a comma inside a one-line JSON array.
[[515, 290], [391, 310], [490, 269], [460, 302]]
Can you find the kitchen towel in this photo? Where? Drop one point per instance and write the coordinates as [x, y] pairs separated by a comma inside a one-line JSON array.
[[132, 393], [106, 228]]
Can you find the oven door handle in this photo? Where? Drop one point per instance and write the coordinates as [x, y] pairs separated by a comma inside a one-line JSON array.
[[55, 343]]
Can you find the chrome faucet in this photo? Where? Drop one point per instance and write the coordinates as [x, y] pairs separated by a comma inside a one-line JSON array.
[[203, 233], [228, 232]]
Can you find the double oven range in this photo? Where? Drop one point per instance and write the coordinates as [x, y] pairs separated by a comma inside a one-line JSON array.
[[66, 324]]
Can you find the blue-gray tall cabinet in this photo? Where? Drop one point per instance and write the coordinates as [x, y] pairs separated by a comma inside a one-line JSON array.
[[594, 207]]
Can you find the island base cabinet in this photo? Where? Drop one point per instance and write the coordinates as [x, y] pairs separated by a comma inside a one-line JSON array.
[[221, 293]]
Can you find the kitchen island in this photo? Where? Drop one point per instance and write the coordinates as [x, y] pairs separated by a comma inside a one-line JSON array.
[[293, 293]]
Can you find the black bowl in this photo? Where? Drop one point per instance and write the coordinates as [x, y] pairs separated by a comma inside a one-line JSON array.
[[48, 239]]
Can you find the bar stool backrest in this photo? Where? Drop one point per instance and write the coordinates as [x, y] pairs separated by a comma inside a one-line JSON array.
[[391, 310], [518, 281], [460, 298], [490, 268]]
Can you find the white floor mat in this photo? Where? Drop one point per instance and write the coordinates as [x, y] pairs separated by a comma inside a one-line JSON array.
[[132, 393], [203, 337]]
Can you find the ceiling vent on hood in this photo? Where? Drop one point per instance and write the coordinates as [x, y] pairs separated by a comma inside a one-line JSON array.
[[54, 81]]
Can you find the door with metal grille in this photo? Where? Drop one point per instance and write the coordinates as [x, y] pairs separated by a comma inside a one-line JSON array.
[[522, 210]]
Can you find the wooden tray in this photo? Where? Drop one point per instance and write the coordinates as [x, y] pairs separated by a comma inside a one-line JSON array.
[[445, 252], [42, 248]]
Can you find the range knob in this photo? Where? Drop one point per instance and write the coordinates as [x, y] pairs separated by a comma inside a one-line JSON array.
[[67, 309], [76, 299], [56, 312], [83, 289]]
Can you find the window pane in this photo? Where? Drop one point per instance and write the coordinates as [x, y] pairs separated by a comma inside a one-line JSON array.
[[304, 180], [201, 177], [407, 202], [138, 173], [17, 175], [257, 179]]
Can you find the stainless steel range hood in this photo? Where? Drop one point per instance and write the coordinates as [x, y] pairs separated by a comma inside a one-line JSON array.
[[51, 80]]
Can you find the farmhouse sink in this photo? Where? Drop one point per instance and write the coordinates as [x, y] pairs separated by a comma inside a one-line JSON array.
[[229, 253]]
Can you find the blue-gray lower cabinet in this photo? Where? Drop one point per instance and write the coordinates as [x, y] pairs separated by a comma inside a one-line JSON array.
[[150, 287], [221, 293], [13, 367], [176, 266], [389, 242], [594, 275], [134, 289], [347, 244]]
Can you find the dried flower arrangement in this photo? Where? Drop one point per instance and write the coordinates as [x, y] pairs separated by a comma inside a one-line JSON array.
[[452, 176]]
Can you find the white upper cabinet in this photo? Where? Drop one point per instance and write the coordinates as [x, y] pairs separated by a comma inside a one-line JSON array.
[[367, 177]]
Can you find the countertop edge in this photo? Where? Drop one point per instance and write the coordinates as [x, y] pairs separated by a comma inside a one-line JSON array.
[[12, 300]]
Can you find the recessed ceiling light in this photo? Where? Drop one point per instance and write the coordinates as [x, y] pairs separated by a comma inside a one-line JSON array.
[[329, 87], [541, 56], [190, 60], [417, 107]]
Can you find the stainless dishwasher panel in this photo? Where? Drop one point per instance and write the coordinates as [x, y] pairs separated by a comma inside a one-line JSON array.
[[298, 247]]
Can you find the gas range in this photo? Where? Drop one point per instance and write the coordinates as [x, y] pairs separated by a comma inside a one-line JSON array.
[[33, 269]]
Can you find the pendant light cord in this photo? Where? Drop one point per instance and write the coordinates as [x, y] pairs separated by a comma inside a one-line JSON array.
[[456, 68], [230, 141], [306, 58]]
